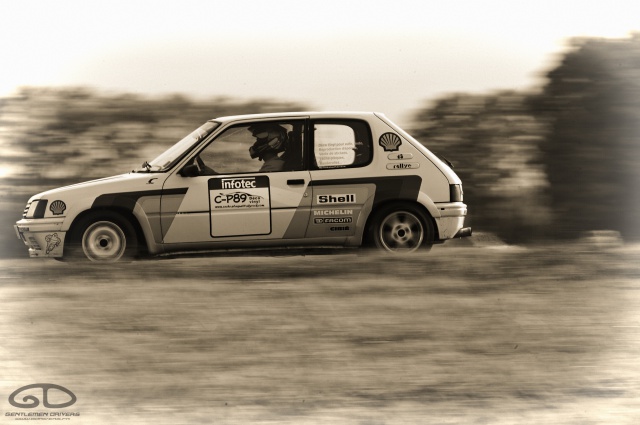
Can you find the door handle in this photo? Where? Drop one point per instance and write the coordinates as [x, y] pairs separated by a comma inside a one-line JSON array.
[[295, 182]]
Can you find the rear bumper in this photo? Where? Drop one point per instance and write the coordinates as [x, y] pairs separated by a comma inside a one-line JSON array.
[[451, 221]]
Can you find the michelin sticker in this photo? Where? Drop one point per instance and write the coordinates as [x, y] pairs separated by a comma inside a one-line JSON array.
[[248, 196], [53, 241]]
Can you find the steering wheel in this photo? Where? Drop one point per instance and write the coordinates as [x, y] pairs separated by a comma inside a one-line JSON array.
[[203, 169]]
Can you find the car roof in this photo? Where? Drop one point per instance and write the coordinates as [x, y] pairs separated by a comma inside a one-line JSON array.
[[311, 114]]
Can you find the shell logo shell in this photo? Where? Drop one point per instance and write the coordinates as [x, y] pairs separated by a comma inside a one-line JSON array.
[[58, 207], [390, 142]]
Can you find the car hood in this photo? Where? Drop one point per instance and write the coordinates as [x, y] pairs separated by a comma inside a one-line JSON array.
[[119, 183]]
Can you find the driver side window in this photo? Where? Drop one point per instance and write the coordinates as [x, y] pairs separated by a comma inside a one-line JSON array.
[[253, 148]]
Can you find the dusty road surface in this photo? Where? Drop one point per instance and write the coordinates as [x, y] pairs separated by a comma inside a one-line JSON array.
[[462, 335]]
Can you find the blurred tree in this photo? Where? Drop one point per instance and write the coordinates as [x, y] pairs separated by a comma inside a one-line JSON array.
[[492, 140], [54, 137], [592, 154], [58, 136]]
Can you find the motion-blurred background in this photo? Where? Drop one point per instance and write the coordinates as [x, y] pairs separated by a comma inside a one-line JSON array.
[[536, 105]]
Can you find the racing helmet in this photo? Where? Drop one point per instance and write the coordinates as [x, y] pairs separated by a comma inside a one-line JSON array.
[[269, 138]]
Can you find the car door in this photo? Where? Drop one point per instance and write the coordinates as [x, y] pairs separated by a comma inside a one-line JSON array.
[[343, 189], [232, 192]]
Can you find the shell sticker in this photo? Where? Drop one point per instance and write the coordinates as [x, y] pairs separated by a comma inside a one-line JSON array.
[[390, 142], [57, 207]]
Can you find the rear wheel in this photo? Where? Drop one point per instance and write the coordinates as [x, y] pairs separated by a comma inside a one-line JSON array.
[[104, 237], [401, 228]]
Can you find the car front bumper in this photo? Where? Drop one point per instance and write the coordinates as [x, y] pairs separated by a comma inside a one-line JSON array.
[[43, 237]]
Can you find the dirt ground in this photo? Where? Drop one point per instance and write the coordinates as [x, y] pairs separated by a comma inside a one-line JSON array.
[[461, 335]]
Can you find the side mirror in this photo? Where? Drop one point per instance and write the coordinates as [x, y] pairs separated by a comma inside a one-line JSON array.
[[190, 170]]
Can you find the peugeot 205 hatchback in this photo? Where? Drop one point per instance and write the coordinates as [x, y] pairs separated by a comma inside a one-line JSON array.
[[268, 180]]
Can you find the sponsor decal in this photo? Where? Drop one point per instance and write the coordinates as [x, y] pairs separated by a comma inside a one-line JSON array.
[[31, 401], [332, 212], [406, 187], [34, 243], [229, 196], [399, 156], [238, 200], [403, 166], [390, 142], [53, 241], [349, 198], [333, 220], [57, 207], [339, 228], [243, 183], [224, 193]]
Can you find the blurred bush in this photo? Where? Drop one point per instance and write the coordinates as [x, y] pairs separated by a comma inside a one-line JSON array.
[[592, 151], [55, 137], [555, 163], [51, 136], [493, 142]]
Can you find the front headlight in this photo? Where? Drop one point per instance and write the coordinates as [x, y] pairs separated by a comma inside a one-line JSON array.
[[455, 192], [35, 209]]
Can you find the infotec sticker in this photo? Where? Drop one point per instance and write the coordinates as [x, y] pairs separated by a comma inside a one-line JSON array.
[[250, 192], [240, 206]]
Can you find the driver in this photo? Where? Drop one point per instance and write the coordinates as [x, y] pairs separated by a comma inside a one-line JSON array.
[[270, 141]]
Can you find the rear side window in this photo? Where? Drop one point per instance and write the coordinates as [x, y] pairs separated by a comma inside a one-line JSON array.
[[341, 144]]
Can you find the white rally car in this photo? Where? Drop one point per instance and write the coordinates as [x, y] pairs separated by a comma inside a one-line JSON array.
[[268, 180]]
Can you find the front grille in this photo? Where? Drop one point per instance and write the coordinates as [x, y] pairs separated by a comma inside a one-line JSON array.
[[26, 210]]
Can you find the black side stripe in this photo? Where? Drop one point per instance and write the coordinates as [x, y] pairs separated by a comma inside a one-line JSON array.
[[387, 188], [127, 200]]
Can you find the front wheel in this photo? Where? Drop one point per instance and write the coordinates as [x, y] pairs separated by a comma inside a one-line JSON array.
[[104, 238], [401, 229]]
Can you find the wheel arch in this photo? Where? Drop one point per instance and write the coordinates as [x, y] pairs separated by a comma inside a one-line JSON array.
[[396, 203], [123, 212]]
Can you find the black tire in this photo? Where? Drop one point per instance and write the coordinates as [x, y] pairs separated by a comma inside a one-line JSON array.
[[103, 237], [401, 228]]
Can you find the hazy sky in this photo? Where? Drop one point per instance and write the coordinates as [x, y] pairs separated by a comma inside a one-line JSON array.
[[389, 56]]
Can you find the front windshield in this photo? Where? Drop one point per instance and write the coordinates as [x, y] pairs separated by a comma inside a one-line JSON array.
[[169, 157]]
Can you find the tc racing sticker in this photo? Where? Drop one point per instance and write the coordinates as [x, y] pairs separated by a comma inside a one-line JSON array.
[[247, 196]]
